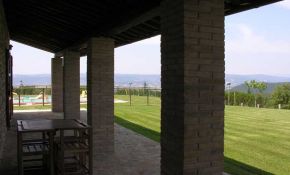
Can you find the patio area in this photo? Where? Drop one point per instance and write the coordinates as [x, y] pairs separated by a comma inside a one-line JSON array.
[[134, 154], [192, 57]]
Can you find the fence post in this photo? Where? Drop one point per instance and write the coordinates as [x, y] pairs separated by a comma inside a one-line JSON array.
[[234, 98], [42, 96], [19, 104], [148, 96], [130, 98]]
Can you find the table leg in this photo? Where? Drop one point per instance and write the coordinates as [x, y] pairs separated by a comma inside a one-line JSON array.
[[51, 152], [90, 132], [44, 161], [62, 152], [19, 153]]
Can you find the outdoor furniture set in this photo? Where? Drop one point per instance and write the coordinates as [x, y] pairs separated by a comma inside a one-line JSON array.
[[56, 147]]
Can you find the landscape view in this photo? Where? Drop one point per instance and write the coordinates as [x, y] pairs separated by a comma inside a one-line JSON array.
[[256, 115], [125, 87]]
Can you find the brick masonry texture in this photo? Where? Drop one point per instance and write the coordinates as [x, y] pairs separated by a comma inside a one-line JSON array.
[[71, 84], [100, 84], [57, 84], [4, 44], [192, 80]]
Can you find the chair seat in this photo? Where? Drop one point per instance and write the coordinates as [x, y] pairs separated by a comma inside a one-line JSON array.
[[35, 148]]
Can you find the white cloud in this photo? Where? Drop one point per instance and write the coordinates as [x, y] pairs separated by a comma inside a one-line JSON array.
[[251, 51], [251, 42], [285, 4]]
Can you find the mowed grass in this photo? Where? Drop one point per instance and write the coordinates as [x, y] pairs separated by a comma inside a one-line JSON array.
[[38, 107], [257, 141], [139, 117], [32, 107]]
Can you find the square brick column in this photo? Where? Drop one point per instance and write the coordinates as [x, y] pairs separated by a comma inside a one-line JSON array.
[[56, 84], [100, 84], [71, 84], [192, 109]]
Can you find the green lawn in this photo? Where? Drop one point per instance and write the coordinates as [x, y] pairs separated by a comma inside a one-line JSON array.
[[257, 141], [38, 107], [139, 117], [31, 107]]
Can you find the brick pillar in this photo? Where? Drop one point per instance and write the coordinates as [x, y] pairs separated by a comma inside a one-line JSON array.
[[4, 44], [71, 84], [57, 85], [100, 83], [192, 110]]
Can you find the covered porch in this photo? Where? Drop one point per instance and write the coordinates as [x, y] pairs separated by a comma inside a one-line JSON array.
[[192, 77], [134, 153]]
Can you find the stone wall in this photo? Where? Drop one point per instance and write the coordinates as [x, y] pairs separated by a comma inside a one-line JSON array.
[[4, 44]]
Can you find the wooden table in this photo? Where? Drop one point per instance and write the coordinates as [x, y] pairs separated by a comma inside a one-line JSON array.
[[49, 127]]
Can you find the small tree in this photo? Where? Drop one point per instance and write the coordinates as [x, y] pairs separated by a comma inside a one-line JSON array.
[[256, 87], [248, 87], [252, 85], [261, 86], [281, 95]]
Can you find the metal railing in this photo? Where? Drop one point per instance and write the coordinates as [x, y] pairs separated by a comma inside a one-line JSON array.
[[41, 95]]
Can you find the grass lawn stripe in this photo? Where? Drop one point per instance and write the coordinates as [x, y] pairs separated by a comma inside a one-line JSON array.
[[257, 141]]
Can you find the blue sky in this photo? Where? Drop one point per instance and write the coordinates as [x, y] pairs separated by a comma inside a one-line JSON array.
[[257, 42]]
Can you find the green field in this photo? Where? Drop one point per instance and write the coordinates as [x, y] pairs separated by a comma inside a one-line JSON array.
[[38, 107], [257, 141]]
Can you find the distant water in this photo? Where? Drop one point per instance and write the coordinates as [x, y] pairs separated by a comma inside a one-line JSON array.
[[151, 80], [120, 80]]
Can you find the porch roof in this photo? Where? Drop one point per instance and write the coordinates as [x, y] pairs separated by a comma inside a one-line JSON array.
[[56, 25]]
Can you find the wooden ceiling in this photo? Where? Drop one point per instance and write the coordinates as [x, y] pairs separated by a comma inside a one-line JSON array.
[[53, 25]]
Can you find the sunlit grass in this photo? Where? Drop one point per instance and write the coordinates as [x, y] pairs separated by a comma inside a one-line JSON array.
[[257, 141]]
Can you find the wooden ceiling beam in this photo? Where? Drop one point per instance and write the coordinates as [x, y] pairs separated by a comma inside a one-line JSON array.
[[236, 6], [136, 21], [118, 30], [30, 42], [52, 16], [52, 44], [61, 25]]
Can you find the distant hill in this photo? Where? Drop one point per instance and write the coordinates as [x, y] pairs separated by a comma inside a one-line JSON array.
[[120, 79], [270, 87], [151, 80], [137, 80], [39, 79], [236, 80]]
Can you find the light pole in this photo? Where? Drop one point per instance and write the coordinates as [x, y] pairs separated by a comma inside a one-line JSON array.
[[130, 84], [20, 91], [229, 88], [21, 83]]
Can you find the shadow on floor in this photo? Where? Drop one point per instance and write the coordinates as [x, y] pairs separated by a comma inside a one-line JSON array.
[[231, 166], [134, 153], [8, 165], [139, 129], [239, 168]]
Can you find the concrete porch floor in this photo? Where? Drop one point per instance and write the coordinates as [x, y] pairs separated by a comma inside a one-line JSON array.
[[134, 154]]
